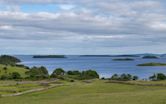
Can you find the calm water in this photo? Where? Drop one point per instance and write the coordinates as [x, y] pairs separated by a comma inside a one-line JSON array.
[[103, 65]]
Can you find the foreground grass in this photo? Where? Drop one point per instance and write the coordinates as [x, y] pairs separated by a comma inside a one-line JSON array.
[[97, 92]]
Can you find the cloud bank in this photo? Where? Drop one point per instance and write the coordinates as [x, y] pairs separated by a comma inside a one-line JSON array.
[[82, 27]]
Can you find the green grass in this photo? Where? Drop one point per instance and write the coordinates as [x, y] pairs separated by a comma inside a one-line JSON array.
[[11, 69], [97, 92], [11, 87]]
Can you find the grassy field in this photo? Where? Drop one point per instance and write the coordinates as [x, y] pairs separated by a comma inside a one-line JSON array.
[[11, 69], [96, 92], [11, 87]]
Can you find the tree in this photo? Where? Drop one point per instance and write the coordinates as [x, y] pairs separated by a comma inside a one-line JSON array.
[[126, 77], [158, 76], [89, 74], [15, 75], [38, 73], [75, 72], [4, 77], [58, 72], [135, 78], [153, 77], [161, 76], [115, 77]]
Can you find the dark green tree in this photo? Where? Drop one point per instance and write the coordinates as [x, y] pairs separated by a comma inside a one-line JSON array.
[[135, 77], [115, 77], [38, 73], [161, 76], [89, 74], [15, 75], [57, 73], [153, 77]]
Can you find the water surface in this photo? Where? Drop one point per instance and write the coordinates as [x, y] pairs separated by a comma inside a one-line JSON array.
[[105, 66]]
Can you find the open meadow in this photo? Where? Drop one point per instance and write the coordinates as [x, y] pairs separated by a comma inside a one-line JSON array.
[[93, 92]]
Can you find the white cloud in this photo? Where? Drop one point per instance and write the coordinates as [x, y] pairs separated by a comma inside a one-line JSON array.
[[106, 23], [6, 27]]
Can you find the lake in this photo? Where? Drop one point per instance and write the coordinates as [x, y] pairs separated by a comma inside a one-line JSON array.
[[105, 66]]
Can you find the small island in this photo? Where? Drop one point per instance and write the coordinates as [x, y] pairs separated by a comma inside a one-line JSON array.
[[150, 57], [123, 59], [49, 56], [95, 55], [125, 56], [152, 64]]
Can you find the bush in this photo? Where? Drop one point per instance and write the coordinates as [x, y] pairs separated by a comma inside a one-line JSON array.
[[135, 78], [57, 73], [71, 80], [103, 78], [161, 76], [38, 73], [124, 77], [75, 72], [115, 77], [89, 74], [4, 77], [15, 75], [157, 77]]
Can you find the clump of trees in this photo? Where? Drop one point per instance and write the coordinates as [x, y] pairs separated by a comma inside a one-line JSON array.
[[37, 73], [58, 73], [61, 74], [124, 77], [8, 60], [14, 75], [89, 74], [158, 77]]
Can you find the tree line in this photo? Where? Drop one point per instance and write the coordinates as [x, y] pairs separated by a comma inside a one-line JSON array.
[[39, 73]]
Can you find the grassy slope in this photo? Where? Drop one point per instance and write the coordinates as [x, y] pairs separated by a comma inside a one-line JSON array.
[[11, 69], [93, 93]]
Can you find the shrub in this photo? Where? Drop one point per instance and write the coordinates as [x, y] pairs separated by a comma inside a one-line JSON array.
[[158, 76], [75, 72], [4, 77], [89, 74], [57, 73], [135, 78], [38, 73], [161, 76], [15, 75], [115, 77], [124, 77]]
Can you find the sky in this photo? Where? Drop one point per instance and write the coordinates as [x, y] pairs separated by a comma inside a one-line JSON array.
[[82, 26]]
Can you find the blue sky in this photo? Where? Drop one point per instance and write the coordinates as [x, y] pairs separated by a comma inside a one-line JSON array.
[[82, 27]]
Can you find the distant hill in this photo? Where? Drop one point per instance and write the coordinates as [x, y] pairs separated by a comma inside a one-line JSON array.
[[9, 60], [125, 56], [150, 57], [123, 59], [152, 64], [95, 55]]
